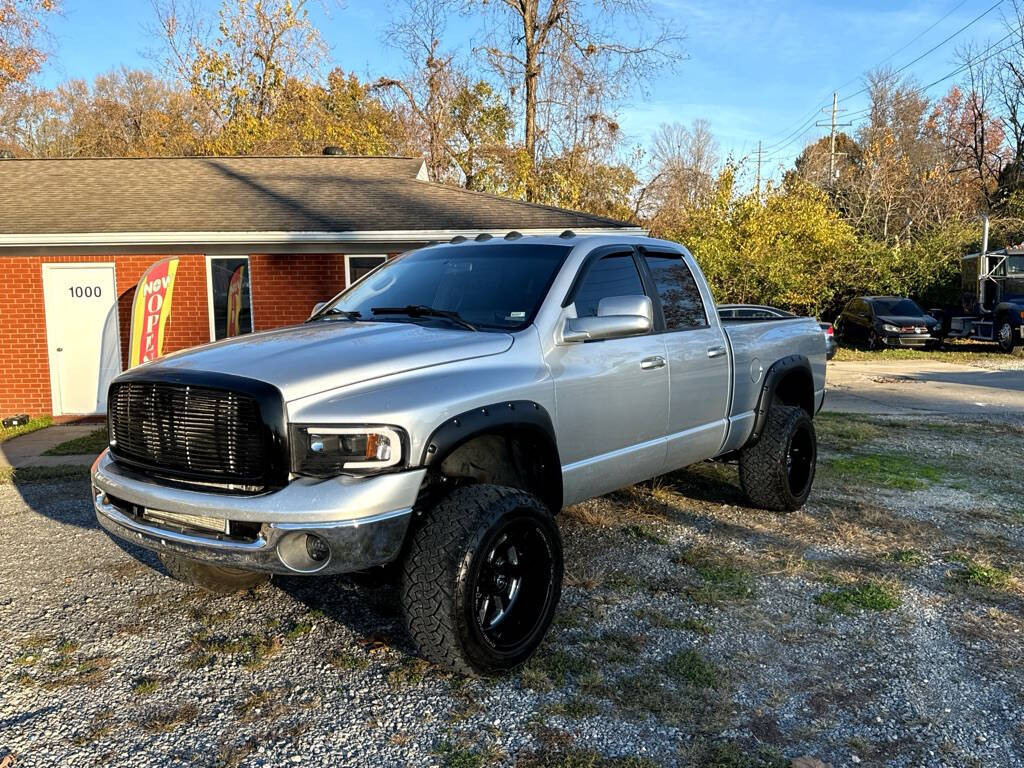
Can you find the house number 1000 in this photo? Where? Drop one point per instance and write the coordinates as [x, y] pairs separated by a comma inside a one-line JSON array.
[[88, 292]]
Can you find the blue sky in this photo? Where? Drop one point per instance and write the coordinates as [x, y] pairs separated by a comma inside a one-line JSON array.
[[756, 69]]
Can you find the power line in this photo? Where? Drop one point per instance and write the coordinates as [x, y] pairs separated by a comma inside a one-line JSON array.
[[980, 58], [935, 47], [807, 124], [909, 43]]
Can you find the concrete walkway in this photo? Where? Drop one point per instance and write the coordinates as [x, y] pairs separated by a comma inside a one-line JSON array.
[[27, 450], [918, 387]]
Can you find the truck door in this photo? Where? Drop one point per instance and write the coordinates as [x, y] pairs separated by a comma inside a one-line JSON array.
[[611, 395], [700, 377]]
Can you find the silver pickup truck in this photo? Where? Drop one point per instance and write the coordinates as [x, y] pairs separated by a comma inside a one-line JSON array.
[[438, 414]]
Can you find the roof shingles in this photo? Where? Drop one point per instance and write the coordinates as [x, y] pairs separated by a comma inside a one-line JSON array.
[[253, 194]]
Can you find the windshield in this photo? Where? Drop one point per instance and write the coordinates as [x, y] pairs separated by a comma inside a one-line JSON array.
[[498, 286], [904, 307], [1015, 265]]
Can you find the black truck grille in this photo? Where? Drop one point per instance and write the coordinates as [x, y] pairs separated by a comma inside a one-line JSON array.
[[193, 432]]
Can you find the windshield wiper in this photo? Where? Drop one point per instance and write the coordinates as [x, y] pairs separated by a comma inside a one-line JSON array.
[[348, 314], [421, 310]]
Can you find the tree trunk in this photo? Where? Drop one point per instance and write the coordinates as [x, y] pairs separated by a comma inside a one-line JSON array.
[[531, 75]]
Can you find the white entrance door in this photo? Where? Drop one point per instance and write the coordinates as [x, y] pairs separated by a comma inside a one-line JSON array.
[[82, 334]]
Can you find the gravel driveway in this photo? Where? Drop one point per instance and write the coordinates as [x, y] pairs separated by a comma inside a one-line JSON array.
[[881, 625]]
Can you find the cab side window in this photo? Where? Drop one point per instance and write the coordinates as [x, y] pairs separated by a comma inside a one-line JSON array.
[[681, 302], [614, 275]]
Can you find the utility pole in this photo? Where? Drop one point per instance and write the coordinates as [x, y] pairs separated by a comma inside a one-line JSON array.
[[832, 140], [758, 186]]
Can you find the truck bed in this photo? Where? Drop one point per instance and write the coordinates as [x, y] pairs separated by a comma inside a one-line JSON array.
[[752, 343]]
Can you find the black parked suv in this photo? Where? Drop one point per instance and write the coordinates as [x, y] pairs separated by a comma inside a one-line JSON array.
[[886, 321]]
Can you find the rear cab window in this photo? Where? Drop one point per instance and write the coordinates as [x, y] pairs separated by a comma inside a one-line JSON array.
[[681, 302]]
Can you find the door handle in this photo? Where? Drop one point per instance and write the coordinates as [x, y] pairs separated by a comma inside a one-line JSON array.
[[716, 351], [60, 349], [657, 361]]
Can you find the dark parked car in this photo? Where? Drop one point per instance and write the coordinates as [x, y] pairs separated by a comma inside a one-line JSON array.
[[886, 321], [728, 312]]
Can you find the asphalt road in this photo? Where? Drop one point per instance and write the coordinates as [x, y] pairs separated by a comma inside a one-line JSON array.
[[912, 387]]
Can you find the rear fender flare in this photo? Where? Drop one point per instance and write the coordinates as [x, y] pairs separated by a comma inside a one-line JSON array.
[[781, 370]]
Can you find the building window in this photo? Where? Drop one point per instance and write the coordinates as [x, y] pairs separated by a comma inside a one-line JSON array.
[[357, 267], [229, 295]]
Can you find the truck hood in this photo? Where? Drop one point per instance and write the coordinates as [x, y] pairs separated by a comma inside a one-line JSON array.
[[302, 360]]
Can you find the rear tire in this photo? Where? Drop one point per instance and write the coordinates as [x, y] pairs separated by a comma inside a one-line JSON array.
[[481, 581], [213, 578], [777, 471]]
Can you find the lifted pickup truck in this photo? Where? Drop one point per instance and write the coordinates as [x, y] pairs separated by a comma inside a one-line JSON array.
[[439, 412]]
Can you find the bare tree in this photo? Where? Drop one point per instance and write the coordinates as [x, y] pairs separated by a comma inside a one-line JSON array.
[[567, 64], [240, 65]]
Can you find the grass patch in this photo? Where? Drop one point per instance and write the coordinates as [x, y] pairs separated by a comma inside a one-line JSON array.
[[572, 706], [870, 596], [644, 533], [146, 685], [691, 668], [732, 755], [252, 650], [9, 475], [575, 757], [169, 718], [971, 573], [347, 660], [886, 471], [40, 422], [94, 442], [909, 557], [953, 352], [843, 431], [661, 620], [552, 669], [260, 705], [721, 581], [410, 673], [89, 672]]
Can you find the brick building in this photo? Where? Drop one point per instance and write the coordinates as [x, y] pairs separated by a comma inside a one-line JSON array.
[[76, 236]]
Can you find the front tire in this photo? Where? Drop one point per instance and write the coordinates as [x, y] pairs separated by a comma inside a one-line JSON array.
[[777, 471], [213, 578], [1005, 337], [481, 579]]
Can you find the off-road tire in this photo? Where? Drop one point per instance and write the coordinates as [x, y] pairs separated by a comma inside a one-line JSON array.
[[443, 567], [1005, 338], [765, 468], [213, 578]]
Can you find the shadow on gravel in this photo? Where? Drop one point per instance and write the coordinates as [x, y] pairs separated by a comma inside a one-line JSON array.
[[65, 500], [368, 605], [25, 717]]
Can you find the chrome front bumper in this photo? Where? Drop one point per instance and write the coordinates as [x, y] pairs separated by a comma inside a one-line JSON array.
[[362, 521]]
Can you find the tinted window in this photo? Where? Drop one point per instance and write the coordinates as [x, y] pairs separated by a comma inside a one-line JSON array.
[[497, 286], [896, 307], [614, 275], [680, 297]]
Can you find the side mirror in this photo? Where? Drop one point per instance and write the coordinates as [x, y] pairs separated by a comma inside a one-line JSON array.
[[617, 316], [317, 307]]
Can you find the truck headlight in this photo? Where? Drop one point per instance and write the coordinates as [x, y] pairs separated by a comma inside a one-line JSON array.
[[890, 328], [329, 451]]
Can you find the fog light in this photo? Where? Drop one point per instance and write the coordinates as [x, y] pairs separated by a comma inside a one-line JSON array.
[[317, 549], [303, 552]]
